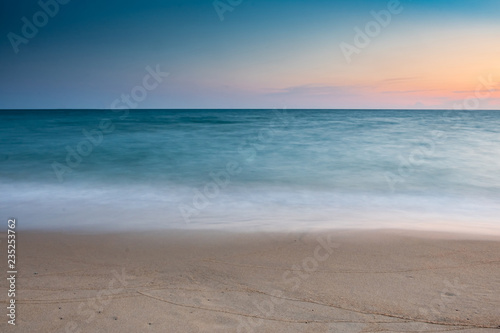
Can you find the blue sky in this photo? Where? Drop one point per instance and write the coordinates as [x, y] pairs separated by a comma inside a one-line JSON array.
[[264, 54]]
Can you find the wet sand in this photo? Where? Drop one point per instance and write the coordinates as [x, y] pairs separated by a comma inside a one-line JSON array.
[[201, 281]]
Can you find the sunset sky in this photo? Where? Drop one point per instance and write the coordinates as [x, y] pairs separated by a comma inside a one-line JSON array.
[[263, 54]]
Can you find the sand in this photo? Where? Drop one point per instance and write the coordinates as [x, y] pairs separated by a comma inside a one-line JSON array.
[[201, 281]]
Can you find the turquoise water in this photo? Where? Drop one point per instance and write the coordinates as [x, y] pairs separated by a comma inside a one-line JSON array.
[[251, 169]]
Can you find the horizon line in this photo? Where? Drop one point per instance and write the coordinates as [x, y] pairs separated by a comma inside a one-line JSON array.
[[187, 109]]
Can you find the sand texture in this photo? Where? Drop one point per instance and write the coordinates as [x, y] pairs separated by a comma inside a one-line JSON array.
[[194, 281]]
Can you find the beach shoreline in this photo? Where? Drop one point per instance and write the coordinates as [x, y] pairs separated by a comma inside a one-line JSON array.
[[212, 281]]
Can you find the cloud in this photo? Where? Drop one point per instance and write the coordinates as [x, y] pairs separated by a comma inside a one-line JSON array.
[[401, 79], [407, 91], [473, 91], [318, 90]]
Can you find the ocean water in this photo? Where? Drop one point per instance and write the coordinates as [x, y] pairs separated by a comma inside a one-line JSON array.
[[114, 170]]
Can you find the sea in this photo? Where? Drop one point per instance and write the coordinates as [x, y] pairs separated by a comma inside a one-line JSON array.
[[250, 170]]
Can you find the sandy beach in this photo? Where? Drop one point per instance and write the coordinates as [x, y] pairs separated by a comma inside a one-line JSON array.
[[205, 281]]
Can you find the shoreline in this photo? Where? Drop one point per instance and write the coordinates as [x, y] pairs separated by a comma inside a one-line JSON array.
[[200, 281], [407, 232]]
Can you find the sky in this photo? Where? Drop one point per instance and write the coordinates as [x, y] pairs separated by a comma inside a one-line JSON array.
[[423, 54]]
